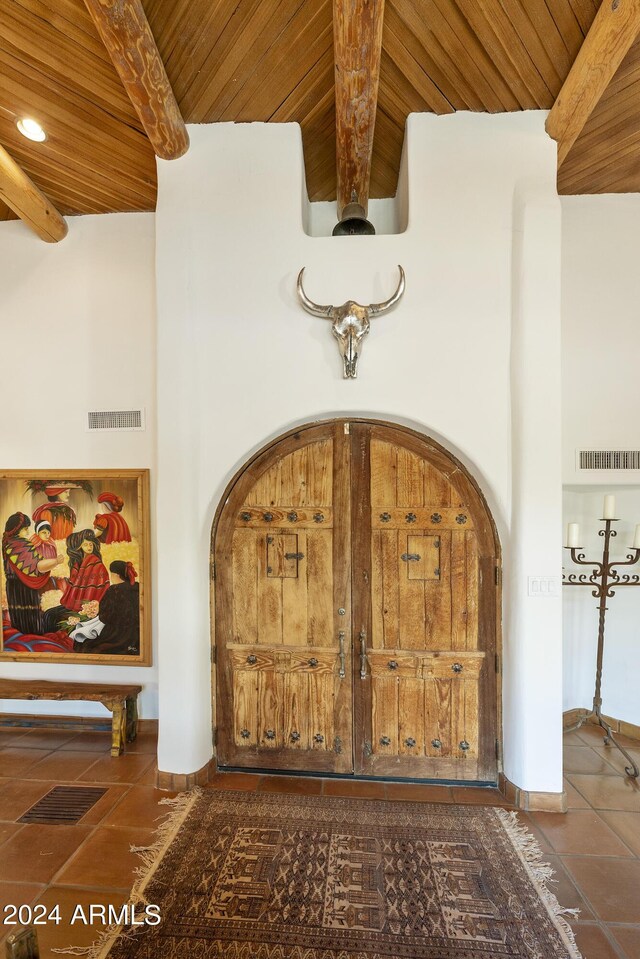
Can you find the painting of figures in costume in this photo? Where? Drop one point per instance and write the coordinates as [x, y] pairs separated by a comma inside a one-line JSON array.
[[75, 566]]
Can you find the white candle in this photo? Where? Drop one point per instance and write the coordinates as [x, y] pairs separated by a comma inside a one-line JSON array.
[[609, 508], [636, 539], [573, 535]]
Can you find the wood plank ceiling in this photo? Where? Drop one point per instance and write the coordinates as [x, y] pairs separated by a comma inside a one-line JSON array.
[[244, 60]]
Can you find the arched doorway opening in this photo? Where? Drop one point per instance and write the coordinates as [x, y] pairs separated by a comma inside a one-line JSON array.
[[356, 605]]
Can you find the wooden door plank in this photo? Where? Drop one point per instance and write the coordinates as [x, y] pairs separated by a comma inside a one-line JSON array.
[[244, 590], [245, 701], [437, 490], [411, 711], [321, 703], [269, 598], [409, 479], [295, 626], [377, 591], [270, 708], [437, 601], [438, 717], [390, 597], [471, 717], [296, 711], [321, 631], [384, 713], [411, 600], [383, 474], [472, 574], [460, 586]]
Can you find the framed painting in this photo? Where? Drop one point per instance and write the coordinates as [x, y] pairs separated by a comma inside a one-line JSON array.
[[75, 577]]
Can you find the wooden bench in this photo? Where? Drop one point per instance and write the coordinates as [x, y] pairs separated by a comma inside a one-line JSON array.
[[121, 700]]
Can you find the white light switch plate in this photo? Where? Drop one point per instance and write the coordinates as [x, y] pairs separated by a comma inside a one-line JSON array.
[[544, 586]]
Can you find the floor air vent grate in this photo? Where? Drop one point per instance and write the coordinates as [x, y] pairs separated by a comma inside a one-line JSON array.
[[64, 805]]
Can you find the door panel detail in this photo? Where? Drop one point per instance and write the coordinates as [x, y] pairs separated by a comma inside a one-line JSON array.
[[356, 609]]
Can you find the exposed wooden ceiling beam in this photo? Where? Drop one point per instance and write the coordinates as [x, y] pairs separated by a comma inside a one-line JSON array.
[[357, 41], [125, 32], [25, 199], [615, 28]]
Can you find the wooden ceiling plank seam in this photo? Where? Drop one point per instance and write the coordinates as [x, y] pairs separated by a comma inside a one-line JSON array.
[[79, 194], [430, 75], [72, 108], [394, 86], [473, 13], [622, 107], [19, 192], [546, 27], [427, 52], [83, 82], [441, 54], [607, 150], [568, 26], [125, 32], [505, 29], [614, 30], [326, 102], [223, 60], [257, 93], [601, 179], [497, 97], [185, 40], [68, 18], [535, 43], [419, 82], [584, 12], [319, 77]]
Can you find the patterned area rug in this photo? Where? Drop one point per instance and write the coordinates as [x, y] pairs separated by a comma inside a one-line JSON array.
[[260, 876]]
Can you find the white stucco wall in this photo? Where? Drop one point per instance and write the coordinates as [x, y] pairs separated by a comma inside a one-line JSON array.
[[240, 363], [600, 404], [77, 333]]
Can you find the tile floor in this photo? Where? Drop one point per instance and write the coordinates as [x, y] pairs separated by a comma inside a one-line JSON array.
[[594, 848]]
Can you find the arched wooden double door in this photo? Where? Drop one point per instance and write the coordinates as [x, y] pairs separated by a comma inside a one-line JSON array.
[[356, 609]]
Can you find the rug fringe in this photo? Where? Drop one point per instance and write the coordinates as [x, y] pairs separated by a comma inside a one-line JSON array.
[[541, 873], [151, 857]]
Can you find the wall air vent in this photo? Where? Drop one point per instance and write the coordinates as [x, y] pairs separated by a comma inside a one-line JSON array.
[[115, 420], [608, 459]]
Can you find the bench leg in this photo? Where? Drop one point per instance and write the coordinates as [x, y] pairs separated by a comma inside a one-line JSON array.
[[118, 729], [132, 718]]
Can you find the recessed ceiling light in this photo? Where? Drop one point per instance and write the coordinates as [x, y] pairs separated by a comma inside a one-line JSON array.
[[31, 129]]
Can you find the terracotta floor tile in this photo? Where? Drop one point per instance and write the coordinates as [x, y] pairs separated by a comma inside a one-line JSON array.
[[414, 792], [63, 767], [93, 740], [580, 832], [574, 799], [124, 769], [104, 805], [64, 934], [16, 796], [9, 829], [16, 894], [526, 818], [9, 735], [144, 743], [296, 785], [36, 853], [149, 776], [46, 738], [627, 826], [628, 938], [106, 860], [584, 759], [610, 885], [565, 889], [482, 795], [15, 761], [353, 788], [140, 807], [593, 942], [594, 736], [615, 758], [608, 792], [244, 781]]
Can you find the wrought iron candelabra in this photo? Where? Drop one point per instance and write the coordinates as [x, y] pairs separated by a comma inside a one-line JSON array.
[[604, 579]]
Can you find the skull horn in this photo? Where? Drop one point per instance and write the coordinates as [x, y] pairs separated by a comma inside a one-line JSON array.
[[314, 308], [375, 308]]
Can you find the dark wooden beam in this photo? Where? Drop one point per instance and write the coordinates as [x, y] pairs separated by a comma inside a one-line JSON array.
[[357, 41], [615, 28], [23, 196], [125, 32]]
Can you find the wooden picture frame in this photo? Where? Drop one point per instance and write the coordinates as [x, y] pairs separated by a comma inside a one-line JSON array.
[[62, 602]]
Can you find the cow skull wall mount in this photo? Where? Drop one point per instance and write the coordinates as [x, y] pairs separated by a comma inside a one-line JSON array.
[[350, 322]]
